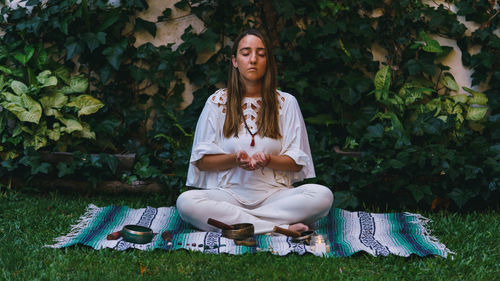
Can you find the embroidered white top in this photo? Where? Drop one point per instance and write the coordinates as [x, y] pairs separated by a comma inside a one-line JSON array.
[[250, 187]]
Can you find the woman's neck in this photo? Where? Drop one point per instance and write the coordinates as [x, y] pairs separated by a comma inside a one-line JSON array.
[[253, 91]]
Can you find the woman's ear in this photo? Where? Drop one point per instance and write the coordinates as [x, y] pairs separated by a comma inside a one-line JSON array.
[[233, 59]]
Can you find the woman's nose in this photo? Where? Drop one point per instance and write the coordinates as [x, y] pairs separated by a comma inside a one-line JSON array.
[[253, 58]]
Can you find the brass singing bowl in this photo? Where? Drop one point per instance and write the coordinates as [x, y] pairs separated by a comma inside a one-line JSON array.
[[241, 231], [305, 236], [137, 234]]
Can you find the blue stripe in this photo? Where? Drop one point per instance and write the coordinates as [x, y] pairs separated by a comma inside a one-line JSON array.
[[104, 223], [407, 234], [331, 226]]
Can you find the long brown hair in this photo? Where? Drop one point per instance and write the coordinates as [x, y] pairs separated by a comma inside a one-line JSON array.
[[267, 121]]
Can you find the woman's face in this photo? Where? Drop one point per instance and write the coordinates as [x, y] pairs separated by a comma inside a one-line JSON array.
[[251, 59]]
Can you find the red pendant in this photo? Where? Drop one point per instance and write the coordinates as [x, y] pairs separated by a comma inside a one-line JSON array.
[[253, 142]]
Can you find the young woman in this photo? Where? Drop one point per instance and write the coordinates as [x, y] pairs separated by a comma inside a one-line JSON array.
[[250, 145]]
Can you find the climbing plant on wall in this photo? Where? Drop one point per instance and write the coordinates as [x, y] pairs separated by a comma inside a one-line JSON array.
[[400, 131]]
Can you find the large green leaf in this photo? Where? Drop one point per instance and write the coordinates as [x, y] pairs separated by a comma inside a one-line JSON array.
[[449, 82], [462, 98], [19, 87], [382, 79], [70, 124], [86, 104], [477, 97], [476, 113], [52, 102], [24, 107], [46, 79], [77, 84]]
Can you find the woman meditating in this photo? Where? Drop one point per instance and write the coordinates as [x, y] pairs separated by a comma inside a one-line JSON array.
[[250, 146]]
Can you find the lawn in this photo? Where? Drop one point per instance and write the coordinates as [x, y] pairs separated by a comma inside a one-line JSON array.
[[29, 220]]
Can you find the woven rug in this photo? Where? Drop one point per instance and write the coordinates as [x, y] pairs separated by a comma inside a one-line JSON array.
[[344, 232]]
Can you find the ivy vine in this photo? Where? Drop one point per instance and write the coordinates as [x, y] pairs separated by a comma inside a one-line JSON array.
[[399, 132]]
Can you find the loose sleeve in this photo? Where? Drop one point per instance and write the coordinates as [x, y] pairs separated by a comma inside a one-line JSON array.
[[295, 141], [206, 141]]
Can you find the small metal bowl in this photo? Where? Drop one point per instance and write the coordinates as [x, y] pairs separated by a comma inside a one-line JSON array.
[[241, 231], [137, 234]]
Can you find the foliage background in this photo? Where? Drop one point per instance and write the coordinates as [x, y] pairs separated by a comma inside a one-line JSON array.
[[406, 155]]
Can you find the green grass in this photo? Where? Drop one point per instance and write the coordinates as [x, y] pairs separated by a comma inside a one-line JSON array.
[[30, 220]]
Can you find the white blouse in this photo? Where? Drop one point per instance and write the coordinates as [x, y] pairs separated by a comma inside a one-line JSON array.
[[250, 187]]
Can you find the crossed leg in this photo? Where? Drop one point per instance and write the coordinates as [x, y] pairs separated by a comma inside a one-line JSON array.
[[290, 208]]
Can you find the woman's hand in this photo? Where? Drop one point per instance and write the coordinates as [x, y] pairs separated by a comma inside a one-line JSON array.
[[260, 160], [244, 161]]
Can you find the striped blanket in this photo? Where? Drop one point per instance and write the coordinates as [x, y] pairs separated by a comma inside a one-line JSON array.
[[344, 233]]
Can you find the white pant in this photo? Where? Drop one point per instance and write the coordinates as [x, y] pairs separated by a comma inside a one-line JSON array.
[[306, 204]]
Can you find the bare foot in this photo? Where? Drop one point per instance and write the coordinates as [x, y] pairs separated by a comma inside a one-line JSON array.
[[298, 227]]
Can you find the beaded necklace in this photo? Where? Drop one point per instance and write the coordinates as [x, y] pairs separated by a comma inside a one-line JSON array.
[[248, 129]]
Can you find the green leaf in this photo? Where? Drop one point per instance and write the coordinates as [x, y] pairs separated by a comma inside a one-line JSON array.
[[5, 70], [86, 104], [114, 54], [183, 4], [434, 105], [462, 98], [54, 133], [477, 97], [3, 52], [165, 15], [24, 107], [45, 79], [410, 93], [431, 45], [110, 160], [73, 48], [94, 40], [24, 57], [419, 192], [77, 84], [109, 20], [52, 102], [71, 124], [18, 87], [495, 149], [37, 140], [141, 24], [85, 132], [63, 73], [375, 131], [476, 113], [396, 164], [64, 169], [449, 82], [382, 79], [461, 196], [41, 58]]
